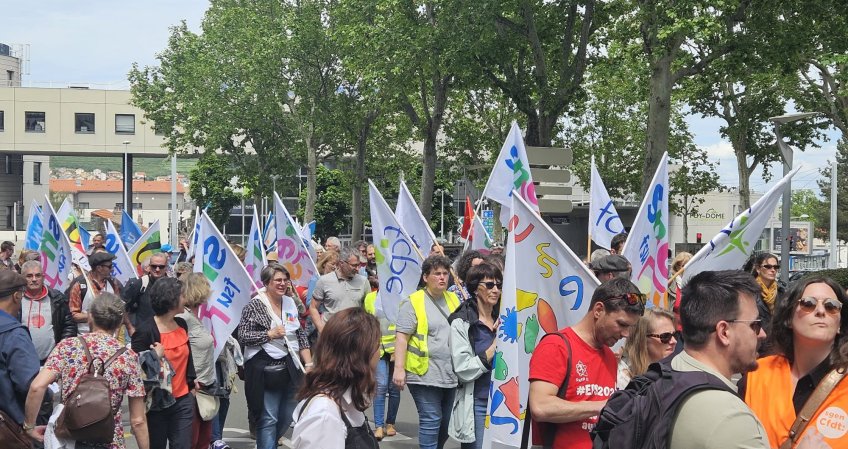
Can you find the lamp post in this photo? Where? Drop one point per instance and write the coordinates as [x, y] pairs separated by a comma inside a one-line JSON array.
[[127, 178], [442, 225], [786, 152]]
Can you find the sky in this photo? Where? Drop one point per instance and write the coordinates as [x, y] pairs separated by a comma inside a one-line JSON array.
[[97, 44]]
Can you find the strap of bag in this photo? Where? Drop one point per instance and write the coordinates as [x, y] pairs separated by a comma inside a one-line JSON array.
[[813, 402], [91, 359]]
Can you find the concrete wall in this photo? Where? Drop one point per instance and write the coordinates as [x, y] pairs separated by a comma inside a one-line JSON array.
[[10, 65]]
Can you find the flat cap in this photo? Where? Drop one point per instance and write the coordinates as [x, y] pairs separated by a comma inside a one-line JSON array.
[[100, 258], [10, 282], [613, 263]]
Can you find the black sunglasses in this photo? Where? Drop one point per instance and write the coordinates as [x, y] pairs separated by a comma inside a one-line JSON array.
[[664, 337], [492, 284], [756, 325], [770, 267], [157, 267], [631, 298]]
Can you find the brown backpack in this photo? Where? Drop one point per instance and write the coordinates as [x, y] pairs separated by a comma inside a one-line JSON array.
[[88, 414]]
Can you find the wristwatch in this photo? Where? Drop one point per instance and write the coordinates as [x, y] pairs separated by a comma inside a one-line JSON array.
[[28, 427]]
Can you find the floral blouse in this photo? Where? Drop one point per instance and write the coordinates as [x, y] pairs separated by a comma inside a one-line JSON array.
[[124, 373]]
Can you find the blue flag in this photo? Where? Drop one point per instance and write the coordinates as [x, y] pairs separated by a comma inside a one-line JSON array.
[[35, 227], [85, 237], [130, 232]]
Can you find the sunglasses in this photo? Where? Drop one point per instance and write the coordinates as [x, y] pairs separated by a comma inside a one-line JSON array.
[[492, 284], [157, 267], [755, 325], [664, 337], [809, 304], [771, 267], [631, 298]]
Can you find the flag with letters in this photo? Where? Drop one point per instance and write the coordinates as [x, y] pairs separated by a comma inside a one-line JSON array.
[[55, 251], [604, 222], [511, 173], [291, 248]]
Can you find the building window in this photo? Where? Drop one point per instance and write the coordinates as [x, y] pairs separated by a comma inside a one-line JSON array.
[[124, 123], [84, 122], [2, 121], [11, 75], [9, 165], [10, 213], [36, 172], [34, 122], [137, 206], [119, 206], [82, 205]]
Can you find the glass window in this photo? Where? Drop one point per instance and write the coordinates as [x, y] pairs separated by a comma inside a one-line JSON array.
[[119, 206], [84, 122], [137, 206], [10, 213], [34, 122], [82, 205], [2, 121], [36, 172], [124, 123]]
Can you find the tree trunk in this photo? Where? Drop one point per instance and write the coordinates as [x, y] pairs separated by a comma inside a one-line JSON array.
[[532, 136], [659, 116], [685, 218], [311, 181], [546, 129], [359, 175], [744, 172], [428, 174]]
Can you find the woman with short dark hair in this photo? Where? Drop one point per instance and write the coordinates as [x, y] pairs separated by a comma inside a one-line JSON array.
[[166, 335], [340, 387]]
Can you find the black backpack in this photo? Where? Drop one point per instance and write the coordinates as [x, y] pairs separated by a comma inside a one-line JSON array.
[[642, 415]]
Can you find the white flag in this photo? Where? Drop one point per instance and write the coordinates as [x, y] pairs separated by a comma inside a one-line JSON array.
[[647, 244], [231, 285], [511, 171], [731, 247], [410, 218], [546, 288], [398, 262], [55, 250], [122, 268], [254, 260], [291, 249], [480, 239], [604, 223], [65, 210]]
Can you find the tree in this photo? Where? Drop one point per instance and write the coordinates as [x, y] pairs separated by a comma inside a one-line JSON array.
[[694, 177], [822, 215], [332, 210], [210, 186]]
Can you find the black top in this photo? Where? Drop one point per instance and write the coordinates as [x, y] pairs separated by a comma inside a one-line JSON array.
[[147, 333], [807, 384]]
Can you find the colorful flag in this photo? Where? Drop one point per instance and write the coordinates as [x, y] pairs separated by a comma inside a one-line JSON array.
[[546, 288], [122, 268], [64, 210], [731, 247], [147, 245], [230, 283], [291, 249], [398, 262], [479, 238], [604, 223], [269, 233], [55, 251], [647, 243], [254, 260], [410, 218], [35, 227], [72, 230], [511, 172], [130, 232]]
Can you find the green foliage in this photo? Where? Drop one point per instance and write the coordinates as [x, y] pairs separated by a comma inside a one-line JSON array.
[[213, 174], [152, 167], [840, 275], [332, 210], [822, 215]]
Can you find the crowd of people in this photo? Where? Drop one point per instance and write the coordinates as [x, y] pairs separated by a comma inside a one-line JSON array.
[[320, 361]]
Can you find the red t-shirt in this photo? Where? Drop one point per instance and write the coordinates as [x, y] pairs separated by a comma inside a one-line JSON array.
[[592, 378]]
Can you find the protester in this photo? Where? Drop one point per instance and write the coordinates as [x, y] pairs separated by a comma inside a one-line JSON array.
[[474, 326], [765, 268], [136, 293], [270, 333], [371, 256], [617, 243], [597, 254], [340, 289], [20, 360], [44, 312], [83, 290], [615, 307], [333, 244], [497, 249], [25, 256], [470, 258], [497, 260], [680, 260], [327, 262], [239, 251], [807, 333], [611, 266], [97, 242], [384, 417], [7, 249], [423, 355], [195, 293], [337, 391], [181, 269], [652, 340], [167, 336], [720, 332], [362, 247], [69, 362]]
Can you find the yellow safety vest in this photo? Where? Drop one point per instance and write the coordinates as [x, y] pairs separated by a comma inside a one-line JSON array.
[[387, 337], [417, 354]]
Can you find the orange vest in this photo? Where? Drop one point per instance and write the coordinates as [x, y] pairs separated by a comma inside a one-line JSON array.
[[769, 394]]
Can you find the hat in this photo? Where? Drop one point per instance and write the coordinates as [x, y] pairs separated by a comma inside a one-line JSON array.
[[99, 258], [612, 263], [272, 256], [10, 282]]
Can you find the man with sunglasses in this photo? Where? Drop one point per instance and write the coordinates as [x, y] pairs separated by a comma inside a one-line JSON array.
[[83, 290], [721, 331], [135, 294], [340, 289], [573, 372]]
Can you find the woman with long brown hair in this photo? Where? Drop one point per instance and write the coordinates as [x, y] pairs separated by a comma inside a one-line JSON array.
[[337, 391], [652, 340]]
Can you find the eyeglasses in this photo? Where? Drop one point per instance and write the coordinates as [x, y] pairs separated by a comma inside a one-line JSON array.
[[755, 325], [492, 284], [809, 304], [664, 337], [771, 267], [157, 267], [631, 298]]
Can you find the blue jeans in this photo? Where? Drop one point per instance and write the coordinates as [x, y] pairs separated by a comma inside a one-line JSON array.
[[384, 384], [434, 406], [219, 419], [480, 405], [277, 408]]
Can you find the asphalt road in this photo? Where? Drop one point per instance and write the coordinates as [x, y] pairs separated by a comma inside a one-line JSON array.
[[237, 435]]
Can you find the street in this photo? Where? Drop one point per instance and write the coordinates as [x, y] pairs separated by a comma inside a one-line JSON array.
[[237, 436]]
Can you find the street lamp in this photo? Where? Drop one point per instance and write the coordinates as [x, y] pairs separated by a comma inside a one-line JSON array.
[[127, 177], [786, 152]]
